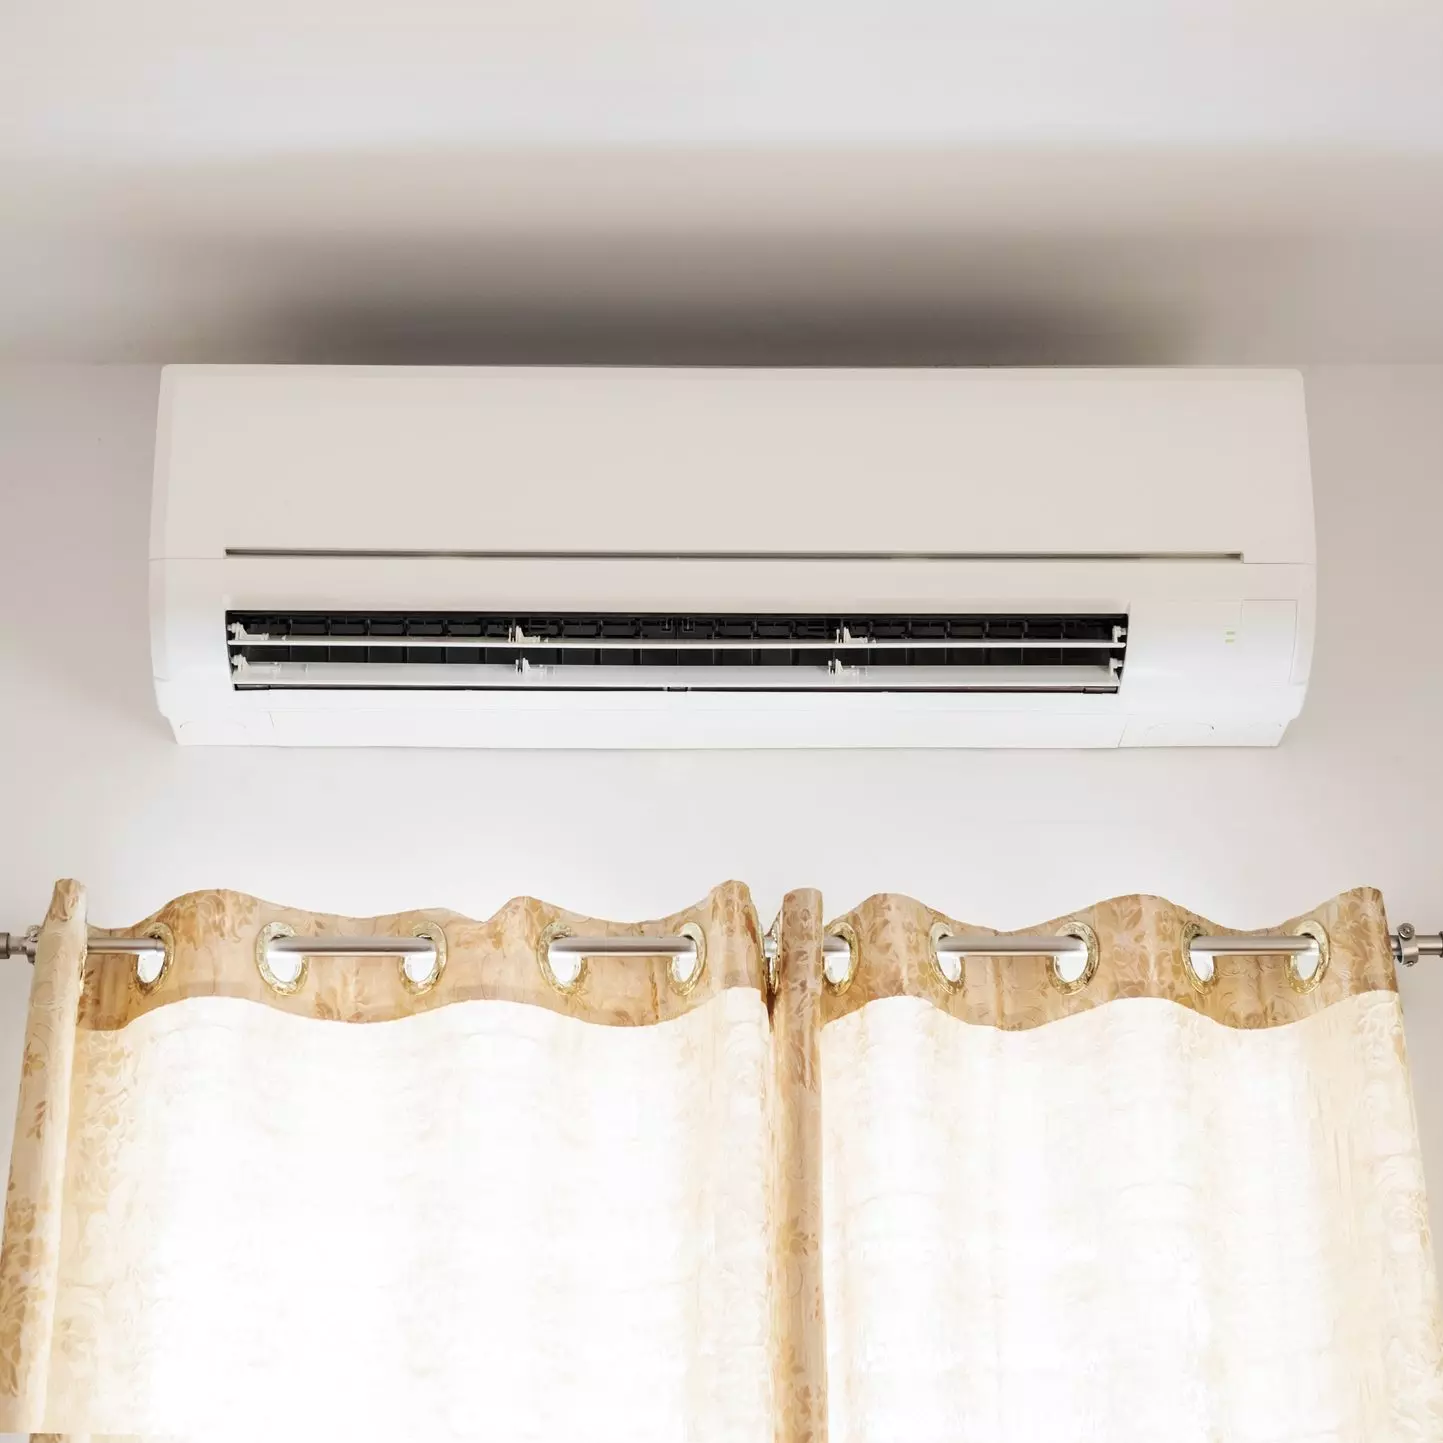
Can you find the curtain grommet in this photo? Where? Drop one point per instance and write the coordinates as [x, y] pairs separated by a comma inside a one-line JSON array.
[[435, 934], [685, 985], [553, 932], [166, 938], [935, 934], [281, 985], [848, 934], [1190, 932], [1308, 927], [1087, 936]]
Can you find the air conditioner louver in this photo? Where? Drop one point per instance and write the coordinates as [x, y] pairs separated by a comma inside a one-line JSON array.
[[716, 651]]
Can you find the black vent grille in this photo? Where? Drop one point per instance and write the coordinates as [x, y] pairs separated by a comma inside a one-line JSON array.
[[684, 649]]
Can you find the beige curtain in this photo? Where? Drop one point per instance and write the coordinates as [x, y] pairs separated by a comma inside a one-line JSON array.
[[893, 1201], [1137, 1205]]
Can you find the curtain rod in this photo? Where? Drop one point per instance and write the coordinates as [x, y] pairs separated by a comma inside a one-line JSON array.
[[1408, 946]]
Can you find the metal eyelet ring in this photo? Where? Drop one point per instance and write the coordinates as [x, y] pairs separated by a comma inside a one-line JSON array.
[[1085, 934], [847, 933], [435, 934], [166, 938], [280, 985], [552, 932], [688, 983], [938, 931], [1309, 928], [1190, 931]]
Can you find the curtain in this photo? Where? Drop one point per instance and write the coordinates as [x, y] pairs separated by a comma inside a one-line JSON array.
[[1141, 1204], [896, 1199]]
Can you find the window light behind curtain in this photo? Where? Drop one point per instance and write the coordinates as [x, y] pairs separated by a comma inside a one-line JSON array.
[[907, 1202]]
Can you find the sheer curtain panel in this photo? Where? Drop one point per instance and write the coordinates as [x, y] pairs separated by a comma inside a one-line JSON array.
[[871, 1195], [511, 1206], [1143, 1202]]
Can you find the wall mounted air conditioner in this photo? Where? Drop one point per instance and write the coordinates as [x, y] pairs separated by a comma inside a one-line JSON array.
[[580, 557]]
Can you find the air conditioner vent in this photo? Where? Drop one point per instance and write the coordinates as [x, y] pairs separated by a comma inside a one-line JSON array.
[[676, 651]]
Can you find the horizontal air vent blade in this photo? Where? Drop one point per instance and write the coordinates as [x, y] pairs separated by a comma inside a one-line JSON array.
[[331, 675], [718, 651]]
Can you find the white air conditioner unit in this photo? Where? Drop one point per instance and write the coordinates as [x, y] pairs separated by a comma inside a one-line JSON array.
[[586, 557]]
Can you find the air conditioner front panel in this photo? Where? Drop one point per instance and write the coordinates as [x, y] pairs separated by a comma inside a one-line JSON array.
[[732, 462]]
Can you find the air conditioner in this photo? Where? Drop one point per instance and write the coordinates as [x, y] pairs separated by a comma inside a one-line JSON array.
[[632, 557]]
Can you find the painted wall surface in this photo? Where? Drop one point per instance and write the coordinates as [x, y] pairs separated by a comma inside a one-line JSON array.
[[92, 786]]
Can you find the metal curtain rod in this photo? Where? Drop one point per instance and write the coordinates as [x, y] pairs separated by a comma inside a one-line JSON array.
[[1408, 946]]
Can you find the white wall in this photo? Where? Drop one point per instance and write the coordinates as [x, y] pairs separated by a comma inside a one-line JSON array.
[[93, 787]]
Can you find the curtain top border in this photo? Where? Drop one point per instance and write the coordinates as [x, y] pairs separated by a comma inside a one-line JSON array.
[[1140, 951]]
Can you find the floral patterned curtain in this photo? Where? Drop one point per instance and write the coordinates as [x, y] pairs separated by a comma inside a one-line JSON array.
[[893, 1197]]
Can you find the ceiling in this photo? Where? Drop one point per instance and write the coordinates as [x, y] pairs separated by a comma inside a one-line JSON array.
[[619, 180]]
